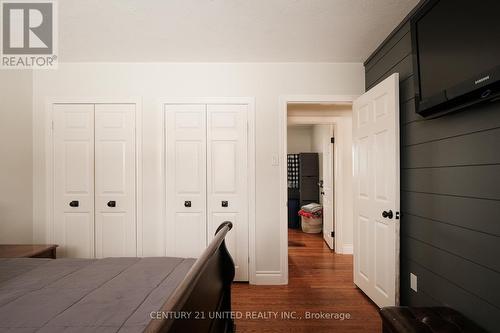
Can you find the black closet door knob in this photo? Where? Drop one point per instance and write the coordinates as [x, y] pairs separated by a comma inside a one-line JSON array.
[[187, 204], [112, 204], [225, 204], [74, 203], [387, 214]]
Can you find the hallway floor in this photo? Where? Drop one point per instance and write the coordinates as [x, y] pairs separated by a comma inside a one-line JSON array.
[[320, 281]]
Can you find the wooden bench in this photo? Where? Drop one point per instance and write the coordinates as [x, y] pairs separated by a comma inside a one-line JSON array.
[[28, 251]]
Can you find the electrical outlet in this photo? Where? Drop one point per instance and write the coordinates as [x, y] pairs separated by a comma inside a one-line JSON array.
[[413, 282]]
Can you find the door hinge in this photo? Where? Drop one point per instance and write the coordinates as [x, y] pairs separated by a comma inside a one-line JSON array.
[[52, 125], [332, 140], [332, 234]]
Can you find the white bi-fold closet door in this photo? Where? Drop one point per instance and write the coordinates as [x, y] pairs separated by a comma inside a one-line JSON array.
[[207, 178], [94, 180]]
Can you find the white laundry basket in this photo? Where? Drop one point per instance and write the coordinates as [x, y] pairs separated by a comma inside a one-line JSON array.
[[312, 225]]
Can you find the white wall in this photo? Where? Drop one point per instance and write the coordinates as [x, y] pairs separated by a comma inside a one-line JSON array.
[[300, 139], [343, 176], [264, 81], [16, 186]]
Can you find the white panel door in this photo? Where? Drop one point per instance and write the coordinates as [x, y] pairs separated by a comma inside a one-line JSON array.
[[328, 199], [73, 211], [185, 129], [376, 192], [115, 182], [227, 163]]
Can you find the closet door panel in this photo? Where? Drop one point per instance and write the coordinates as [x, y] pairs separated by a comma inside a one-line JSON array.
[[112, 236], [73, 139], [115, 180], [227, 178], [189, 231], [185, 158]]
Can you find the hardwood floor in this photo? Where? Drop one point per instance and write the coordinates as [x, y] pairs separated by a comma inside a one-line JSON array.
[[319, 281]]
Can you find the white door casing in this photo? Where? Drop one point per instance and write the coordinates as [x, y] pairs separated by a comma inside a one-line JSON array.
[[73, 146], [376, 190], [227, 180], [185, 162], [115, 192]]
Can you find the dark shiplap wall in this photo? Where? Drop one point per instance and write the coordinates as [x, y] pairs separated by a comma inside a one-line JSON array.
[[450, 196]]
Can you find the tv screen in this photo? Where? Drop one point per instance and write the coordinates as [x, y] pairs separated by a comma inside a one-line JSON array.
[[457, 42]]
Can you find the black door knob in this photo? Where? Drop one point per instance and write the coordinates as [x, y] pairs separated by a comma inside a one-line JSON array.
[[74, 203], [187, 204], [225, 204], [387, 214], [111, 204]]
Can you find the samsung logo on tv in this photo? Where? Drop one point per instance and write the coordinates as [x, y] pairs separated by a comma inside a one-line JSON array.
[[486, 78]]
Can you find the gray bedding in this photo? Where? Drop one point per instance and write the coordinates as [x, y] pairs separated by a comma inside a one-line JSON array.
[[85, 295]]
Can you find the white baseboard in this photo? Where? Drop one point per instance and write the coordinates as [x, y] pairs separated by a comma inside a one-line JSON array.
[[348, 249], [268, 278]]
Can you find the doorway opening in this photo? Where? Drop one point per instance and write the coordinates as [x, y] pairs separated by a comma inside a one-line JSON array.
[[316, 185], [310, 172], [366, 222]]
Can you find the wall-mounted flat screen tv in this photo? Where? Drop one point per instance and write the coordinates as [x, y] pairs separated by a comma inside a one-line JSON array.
[[456, 47]]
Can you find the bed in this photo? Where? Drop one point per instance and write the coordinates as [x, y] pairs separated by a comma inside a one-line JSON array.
[[161, 294]]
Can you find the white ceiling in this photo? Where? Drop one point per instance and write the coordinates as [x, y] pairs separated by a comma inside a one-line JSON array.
[[225, 30]]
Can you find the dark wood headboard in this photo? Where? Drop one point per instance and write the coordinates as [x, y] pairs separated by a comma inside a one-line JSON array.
[[204, 294]]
